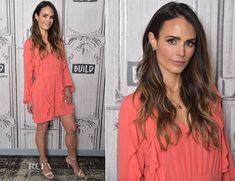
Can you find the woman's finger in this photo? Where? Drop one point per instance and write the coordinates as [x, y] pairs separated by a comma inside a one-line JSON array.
[[30, 108]]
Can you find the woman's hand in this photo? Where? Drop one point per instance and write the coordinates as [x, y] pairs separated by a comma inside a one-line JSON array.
[[68, 95], [30, 107]]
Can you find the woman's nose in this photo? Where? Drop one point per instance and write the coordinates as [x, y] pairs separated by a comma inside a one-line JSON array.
[[180, 50]]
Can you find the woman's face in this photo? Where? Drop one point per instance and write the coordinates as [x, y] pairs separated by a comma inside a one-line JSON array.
[[175, 45], [45, 18]]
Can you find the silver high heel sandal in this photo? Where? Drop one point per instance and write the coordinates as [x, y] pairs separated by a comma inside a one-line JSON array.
[[49, 174], [73, 163]]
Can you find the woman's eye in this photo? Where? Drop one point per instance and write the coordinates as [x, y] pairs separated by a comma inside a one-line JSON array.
[[171, 41], [190, 44]]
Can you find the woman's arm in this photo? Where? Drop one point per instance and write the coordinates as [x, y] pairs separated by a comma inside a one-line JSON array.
[[28, 72], [227, 164], [68, 83], [130, 164], [228, 172], [123, 138]]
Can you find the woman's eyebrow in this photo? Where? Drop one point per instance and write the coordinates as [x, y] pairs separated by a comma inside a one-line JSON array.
[[47, 14], [171, 36], [178, 38]]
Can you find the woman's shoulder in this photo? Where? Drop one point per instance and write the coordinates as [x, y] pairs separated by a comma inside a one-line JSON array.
[[60, 43], [216, 107], [28, 42], [131, 102]]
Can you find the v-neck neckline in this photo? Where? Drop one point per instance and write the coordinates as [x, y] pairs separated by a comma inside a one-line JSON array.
[[182, 125]]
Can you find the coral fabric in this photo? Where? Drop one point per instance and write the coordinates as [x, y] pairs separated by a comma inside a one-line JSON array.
[[44, 84], [142, 159]]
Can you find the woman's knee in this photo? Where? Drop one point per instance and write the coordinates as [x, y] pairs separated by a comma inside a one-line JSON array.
[[42, 127], [71, 129]]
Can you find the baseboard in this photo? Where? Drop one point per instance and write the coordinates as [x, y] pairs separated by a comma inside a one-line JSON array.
[[33, 152]]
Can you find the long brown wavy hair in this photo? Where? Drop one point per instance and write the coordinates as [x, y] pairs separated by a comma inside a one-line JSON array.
[[197, 91], [54, 36]]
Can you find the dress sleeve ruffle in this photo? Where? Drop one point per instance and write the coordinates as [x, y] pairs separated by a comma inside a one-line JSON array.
[[66, 73], [132, 163], [135, 156], [28, 72], [227, 164], [67, 77], [152, 147], [130, 156], [228, 169]]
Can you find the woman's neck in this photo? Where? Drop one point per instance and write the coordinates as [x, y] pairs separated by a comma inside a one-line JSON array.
[[44, 34], [172, 82]]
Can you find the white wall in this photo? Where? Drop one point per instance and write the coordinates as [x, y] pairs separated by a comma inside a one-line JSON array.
[[82, 25], [126, 21]]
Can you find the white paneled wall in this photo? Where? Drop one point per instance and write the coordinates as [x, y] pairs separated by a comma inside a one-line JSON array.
[[7, 77], [226, 67], [90, 41], [82, 25], [126, 21]]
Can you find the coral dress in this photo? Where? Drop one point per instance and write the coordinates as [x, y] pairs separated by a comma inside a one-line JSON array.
[[142, 159], [44, 84]]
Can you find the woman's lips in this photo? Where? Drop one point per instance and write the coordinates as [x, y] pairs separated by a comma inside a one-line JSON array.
[[178, 62]]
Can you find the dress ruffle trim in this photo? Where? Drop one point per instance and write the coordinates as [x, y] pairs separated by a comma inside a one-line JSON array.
[[66, 79], [224, 156], [137, 165], [28, 80], [133, 147], [49, 99], [50, 94], [219, 118], [153, 150]]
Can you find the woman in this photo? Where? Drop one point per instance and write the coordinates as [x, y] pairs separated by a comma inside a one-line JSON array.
[[171, 128], [48, 85]]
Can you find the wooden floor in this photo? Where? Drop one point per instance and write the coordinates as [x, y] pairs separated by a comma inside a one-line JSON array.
[[21, 168]]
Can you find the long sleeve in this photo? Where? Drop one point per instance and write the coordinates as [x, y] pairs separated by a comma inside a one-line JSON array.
[[227, 164], [229, 171], [130, 157], [67, 77], [28, 72]]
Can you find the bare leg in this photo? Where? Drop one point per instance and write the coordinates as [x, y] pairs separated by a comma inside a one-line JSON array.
[[41, 139], [70, 127], [41, 144]]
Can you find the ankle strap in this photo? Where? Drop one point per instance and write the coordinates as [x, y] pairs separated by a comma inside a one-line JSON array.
[[43, 161], [72, 158]]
